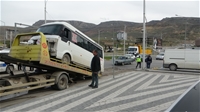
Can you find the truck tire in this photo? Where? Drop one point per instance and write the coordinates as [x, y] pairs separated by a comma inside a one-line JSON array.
[[62, 82], [11, 68], [173, 67], [66, 59]]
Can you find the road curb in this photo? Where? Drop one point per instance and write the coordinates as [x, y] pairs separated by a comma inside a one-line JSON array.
[[177, 72]]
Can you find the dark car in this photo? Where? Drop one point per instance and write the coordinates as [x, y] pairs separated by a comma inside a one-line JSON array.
[[189, 101], [123, 60]]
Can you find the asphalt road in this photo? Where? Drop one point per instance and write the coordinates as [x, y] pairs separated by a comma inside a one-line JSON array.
[[155, 64], [127, 92]]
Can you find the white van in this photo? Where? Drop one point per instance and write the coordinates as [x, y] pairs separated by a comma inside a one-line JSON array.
[[182, 58]]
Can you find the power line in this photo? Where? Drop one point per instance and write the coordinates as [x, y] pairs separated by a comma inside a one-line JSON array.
[[51, 17]]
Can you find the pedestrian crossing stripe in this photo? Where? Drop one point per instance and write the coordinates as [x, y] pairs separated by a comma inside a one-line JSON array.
[[126, 92]]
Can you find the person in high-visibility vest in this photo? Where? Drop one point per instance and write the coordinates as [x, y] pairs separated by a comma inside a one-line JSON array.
[[138, 60]]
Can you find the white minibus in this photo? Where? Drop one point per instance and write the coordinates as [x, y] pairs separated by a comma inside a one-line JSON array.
[[68, 44]]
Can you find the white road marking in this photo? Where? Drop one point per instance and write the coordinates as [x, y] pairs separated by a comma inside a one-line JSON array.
[[140, 102], [117, 99], [165, 78], [61, 94], [158, 108], [146, 84], [166, 84], [178, 79], [82, 100], [118, 92]]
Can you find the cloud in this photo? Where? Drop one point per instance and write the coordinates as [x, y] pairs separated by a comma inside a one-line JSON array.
[[30, 11]]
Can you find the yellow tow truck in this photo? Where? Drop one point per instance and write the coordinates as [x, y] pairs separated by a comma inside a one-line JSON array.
[[147, 50], [137, 49], [54, 73]]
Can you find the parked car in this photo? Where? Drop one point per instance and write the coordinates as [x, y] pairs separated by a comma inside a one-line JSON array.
[[160, 57], [5, 51], [3, 65], [122, 60], [131, 56], [110, 50]]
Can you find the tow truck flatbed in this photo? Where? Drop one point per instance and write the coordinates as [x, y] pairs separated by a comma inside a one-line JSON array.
[[57, 74]]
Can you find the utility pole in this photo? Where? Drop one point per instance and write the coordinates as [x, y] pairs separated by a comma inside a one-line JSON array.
[[113, 53], [45, 3], [185, 34], [144, 33], [124, 37]]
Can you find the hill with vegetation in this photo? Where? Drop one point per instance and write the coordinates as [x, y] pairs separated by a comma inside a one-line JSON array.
[[172, 30]]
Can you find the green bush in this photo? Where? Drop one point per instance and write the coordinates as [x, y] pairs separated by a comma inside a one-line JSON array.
[[107, 57]]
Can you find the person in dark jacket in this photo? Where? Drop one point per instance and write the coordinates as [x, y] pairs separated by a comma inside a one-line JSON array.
[[19, 67], [148, 61], [95, 67]]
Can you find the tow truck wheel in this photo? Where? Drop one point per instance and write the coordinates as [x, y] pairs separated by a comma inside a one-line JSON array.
[[66, 59], [8, 70], [62, 82]]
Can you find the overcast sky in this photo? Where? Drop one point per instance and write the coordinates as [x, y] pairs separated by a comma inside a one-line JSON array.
[[30, 11]]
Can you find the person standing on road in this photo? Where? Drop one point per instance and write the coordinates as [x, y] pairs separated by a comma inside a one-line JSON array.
[[95, 67], [19, 66], [148, 61], [31, 69], [138, 60]]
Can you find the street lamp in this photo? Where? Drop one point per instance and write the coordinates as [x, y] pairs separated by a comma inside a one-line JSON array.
[[4, 40], [146, 32], [124, 37], [45, 11], [144, 35], [185, 29], [113, 59]]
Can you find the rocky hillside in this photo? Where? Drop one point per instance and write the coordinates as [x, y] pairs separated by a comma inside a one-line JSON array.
[[171, 30], [77, 24]]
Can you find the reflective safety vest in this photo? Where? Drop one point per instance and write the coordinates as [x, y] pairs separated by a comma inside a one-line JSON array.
[[138, 59]]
